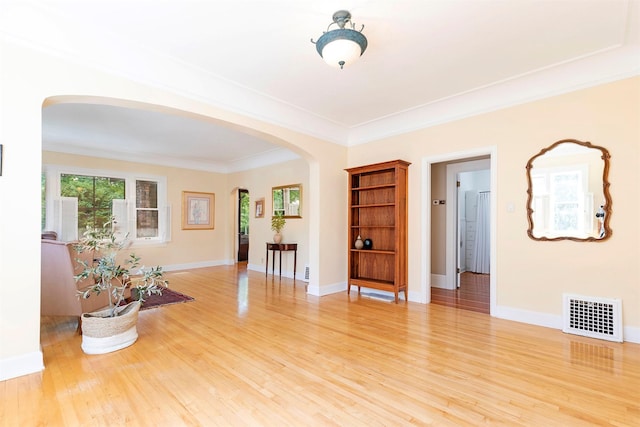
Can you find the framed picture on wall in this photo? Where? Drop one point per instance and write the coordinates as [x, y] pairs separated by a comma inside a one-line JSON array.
[[198, 210], [260, 208]]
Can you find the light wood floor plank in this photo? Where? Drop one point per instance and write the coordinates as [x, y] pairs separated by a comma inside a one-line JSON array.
[[259, 351]]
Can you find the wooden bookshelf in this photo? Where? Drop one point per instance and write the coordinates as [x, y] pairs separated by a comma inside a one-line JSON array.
[[378, 211]]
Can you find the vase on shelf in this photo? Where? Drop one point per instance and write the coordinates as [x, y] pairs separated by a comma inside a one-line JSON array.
[[277, 238], [359, 244]]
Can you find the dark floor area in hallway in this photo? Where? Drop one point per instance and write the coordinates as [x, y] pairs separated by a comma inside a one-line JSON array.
[[473, 293]]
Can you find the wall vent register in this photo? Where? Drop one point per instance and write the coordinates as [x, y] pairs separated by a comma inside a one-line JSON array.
[[593, 317]]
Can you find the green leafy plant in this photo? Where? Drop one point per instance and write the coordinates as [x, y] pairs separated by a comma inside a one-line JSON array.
[[108, 275], [277, 222]]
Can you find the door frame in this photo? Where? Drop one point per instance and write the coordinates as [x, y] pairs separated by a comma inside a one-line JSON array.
[[492, 152]]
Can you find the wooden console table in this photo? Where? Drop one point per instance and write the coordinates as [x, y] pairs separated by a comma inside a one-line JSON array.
[[273, 247]]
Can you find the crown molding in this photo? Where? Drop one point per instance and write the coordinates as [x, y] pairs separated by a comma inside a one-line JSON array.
[[68, 40]]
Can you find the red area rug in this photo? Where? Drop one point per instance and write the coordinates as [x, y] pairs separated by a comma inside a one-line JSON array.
[[168, 297]]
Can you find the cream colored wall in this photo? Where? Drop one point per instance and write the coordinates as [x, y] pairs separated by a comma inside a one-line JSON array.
[[531, 276], [296, 230], [27, 79], [187, 247]]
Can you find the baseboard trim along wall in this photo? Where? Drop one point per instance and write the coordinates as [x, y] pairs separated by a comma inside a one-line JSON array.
[[439, 281], [287, 274], [191, 265], [24, 364], [327, 289], [630, 334]]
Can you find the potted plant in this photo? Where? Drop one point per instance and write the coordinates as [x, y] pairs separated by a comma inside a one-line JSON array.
[[277, 224], [113, 327]]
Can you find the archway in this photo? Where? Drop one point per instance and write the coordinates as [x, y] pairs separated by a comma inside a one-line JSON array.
[[167, 111]]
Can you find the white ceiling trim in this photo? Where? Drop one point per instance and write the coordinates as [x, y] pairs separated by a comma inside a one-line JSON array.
[[611, 65]]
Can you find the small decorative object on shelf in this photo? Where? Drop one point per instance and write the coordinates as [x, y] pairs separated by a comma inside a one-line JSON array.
[[359, 244], [368, 244]]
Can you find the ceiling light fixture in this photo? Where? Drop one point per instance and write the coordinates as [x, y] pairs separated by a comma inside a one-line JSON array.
[[341, 46]]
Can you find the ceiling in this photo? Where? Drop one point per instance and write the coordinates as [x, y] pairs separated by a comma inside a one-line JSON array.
[[427, 62]]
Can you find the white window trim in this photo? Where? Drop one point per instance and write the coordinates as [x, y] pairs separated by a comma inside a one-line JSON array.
[[52, 193]]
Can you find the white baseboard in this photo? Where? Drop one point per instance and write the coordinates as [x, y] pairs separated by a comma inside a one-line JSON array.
[[531, 317], [192, 265], [438, 281], [18, 366], [631, 334], [255, 267], [327, 289], [418, 297], [288, 274]]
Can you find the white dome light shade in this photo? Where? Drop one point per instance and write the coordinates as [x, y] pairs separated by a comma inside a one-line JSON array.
[[341, 47]]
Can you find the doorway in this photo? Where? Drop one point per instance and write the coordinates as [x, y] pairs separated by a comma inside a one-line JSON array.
[[243, 225], [473, 194], [448, 279], [469, 189]]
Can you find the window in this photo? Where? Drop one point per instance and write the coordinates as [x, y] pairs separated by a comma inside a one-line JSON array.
[[561, 203], [79, 199], [147, 213], [94, 195]]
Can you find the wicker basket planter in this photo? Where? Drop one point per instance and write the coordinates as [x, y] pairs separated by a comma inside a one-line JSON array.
[[102, 334]]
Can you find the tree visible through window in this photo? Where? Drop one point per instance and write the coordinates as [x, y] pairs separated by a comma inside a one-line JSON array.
[[95, 196]]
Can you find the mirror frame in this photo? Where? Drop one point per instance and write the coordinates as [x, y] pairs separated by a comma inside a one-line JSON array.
[[605, 189], [280, 188]]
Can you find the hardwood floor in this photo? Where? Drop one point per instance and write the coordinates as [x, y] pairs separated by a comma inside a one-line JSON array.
[[259, 351], [473, 293]]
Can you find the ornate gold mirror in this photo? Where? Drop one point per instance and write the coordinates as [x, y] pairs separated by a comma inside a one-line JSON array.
[[287, 201], [568, 194]]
